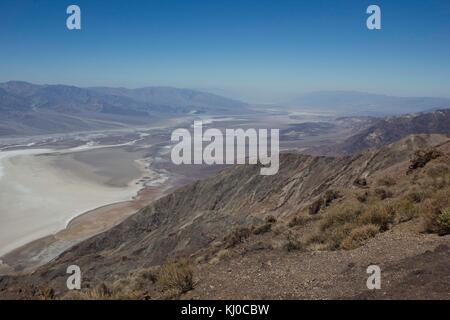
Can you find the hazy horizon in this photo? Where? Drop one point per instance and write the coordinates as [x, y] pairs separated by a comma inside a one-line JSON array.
[[258, 51]]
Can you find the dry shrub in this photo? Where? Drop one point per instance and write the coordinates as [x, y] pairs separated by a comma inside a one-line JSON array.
[[299, 220], [102, 291], [379, 215], [359, 236], [292, 242], [443, 221], [416, 196], [237, 236], [348, 225], [362, 197], [387, 181], [339, 216], [177, 275], [324, 201], [434, 212], [406, 209], [335, 226], [383, 193], [46, 293], [262, 228]]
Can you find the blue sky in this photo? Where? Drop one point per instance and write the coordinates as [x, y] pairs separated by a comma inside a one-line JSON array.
[[259, 50]]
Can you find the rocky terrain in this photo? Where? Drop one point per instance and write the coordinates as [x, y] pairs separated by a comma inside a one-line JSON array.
[[382, 131], [308, 232]]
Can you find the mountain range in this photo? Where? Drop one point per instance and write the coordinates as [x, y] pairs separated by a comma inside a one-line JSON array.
[[383, 131], [362, 103], [27, 108]]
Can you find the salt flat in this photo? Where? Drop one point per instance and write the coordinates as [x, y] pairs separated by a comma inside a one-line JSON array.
[[41, 190]]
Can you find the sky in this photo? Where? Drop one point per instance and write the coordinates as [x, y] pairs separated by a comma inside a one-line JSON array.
[[256, 50]]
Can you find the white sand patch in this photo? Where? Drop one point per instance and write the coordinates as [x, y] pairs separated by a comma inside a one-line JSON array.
[[37, 199]]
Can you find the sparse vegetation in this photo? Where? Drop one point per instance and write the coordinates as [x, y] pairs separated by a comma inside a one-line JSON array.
[[443, 220], [416, 196], [420, 158], [46, 293], [359, 236], [292, 242], [383, 193], [362, 197], [238, 235], [264, 228], [387, 181], [299, 220], [379, 215], [435, 212], [324, 201], [177, 275]]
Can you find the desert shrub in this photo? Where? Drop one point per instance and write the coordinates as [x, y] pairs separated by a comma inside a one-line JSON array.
[[45, 293], [434, 212], [299, 220], [262, 228], [335, 226], [362, 197], [387, 181], [142, 279], [443, 221], [416, 196], [314, 238], [238, 235], [119, 291], [379, 215], [340, 215], [324, 201], [406, 209], [330, 196], [359, 236], [336, 235], [383, 193], [178, 275], [292, 242], [271, 219]]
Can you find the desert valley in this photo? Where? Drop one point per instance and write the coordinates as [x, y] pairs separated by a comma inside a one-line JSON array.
[[92, 184]]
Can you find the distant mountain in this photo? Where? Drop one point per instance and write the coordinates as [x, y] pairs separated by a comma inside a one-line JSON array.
[[361, 103], [175, 98], [27, 108], [390, 129]]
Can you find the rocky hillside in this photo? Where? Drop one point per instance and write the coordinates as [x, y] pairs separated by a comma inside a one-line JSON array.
[[314, 204], [389, 130]]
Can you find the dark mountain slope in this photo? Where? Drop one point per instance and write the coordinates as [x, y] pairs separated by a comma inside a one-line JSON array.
[[195, 217]]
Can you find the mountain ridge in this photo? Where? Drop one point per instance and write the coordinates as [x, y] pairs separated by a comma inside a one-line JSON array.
[[26, 108]]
